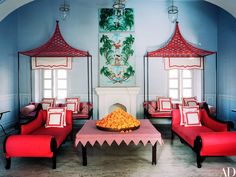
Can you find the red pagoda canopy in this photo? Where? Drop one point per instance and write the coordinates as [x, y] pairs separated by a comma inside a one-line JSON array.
[[177, 46], [55, 47]]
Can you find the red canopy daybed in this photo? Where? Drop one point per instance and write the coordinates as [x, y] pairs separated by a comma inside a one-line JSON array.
[[176, 47], [58, 47]]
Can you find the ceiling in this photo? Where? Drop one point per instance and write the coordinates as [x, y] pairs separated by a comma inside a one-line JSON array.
[[10, 5]]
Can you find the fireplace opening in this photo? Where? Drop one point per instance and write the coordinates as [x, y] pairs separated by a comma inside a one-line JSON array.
[[115, 106]]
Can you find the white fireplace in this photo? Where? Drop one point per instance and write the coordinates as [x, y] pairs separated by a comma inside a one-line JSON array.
[[123, 97]]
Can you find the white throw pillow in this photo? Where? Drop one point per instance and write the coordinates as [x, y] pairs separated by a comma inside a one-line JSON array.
[[46, 105], [54, 120], [59, 110], [192, 119], [189, 101], [164, 104], [184, 109]]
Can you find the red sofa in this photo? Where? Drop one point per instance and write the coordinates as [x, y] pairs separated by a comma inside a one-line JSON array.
[[85, 111], [211, 139], [151, 110], [35, 140]]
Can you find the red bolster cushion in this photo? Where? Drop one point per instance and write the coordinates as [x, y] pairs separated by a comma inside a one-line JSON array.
[[218, 144], [29, 146]]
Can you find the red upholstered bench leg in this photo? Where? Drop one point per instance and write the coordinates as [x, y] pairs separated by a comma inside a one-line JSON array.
[[197, 148], [8, 160]]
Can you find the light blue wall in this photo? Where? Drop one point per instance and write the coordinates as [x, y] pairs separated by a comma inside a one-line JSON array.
[[226, 66], [36, 22], [8, 70]]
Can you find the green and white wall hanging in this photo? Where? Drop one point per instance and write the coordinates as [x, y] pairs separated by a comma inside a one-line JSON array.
[[109, 22], [116, 48], [117, 60]]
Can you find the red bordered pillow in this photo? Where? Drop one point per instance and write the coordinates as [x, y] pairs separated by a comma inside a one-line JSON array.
[[184, 109], [153, 104], [192, 119], [74, 100], [164, 104], [190, 101], [72, 106], [59, 110], [54, 119], [151, 109], [46, 105], [85, 109], [49, 100]]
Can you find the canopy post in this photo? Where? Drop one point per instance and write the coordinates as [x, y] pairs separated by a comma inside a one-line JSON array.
[[147, 77], [91, 75], [144, 79], [144, 84], [18, 83], [216, 65], [88, 77], [203, 80], [31, 81]]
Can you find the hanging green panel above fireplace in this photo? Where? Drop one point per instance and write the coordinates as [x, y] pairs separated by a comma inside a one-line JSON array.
[[108, 22]]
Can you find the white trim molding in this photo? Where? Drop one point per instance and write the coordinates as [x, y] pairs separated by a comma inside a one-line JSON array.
[[108, 96]]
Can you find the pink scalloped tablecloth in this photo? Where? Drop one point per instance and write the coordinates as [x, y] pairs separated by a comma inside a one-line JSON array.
[[90, 134]]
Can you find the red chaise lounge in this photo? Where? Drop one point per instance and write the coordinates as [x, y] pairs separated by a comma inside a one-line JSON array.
[[211, 139], [35, 140]]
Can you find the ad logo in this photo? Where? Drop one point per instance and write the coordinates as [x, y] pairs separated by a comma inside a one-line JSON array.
[[229, 172]]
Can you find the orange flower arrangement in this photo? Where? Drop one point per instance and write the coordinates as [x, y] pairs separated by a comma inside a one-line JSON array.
[[118, 120]]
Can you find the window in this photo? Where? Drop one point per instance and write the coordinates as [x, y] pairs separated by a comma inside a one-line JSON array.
[[180, 84], [55, 84]]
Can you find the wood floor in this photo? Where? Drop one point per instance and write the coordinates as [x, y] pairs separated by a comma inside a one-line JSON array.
[[176, 160]]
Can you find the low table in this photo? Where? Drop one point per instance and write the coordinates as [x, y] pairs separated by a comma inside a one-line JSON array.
[[146, 133]]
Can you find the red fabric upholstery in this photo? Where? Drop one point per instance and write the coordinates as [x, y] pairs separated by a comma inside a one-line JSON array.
[[80, 116], [35, 139], [31, 126], [29, 146], [189, 134], [216, 126], [218, 144], [175, 117], [55, 132], [215, 139], [160, 114], [151, 109]]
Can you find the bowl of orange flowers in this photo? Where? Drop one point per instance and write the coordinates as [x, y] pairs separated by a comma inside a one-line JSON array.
[[118, 121]]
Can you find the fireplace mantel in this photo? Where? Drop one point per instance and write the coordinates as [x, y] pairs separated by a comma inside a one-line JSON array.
[[108, 96]]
